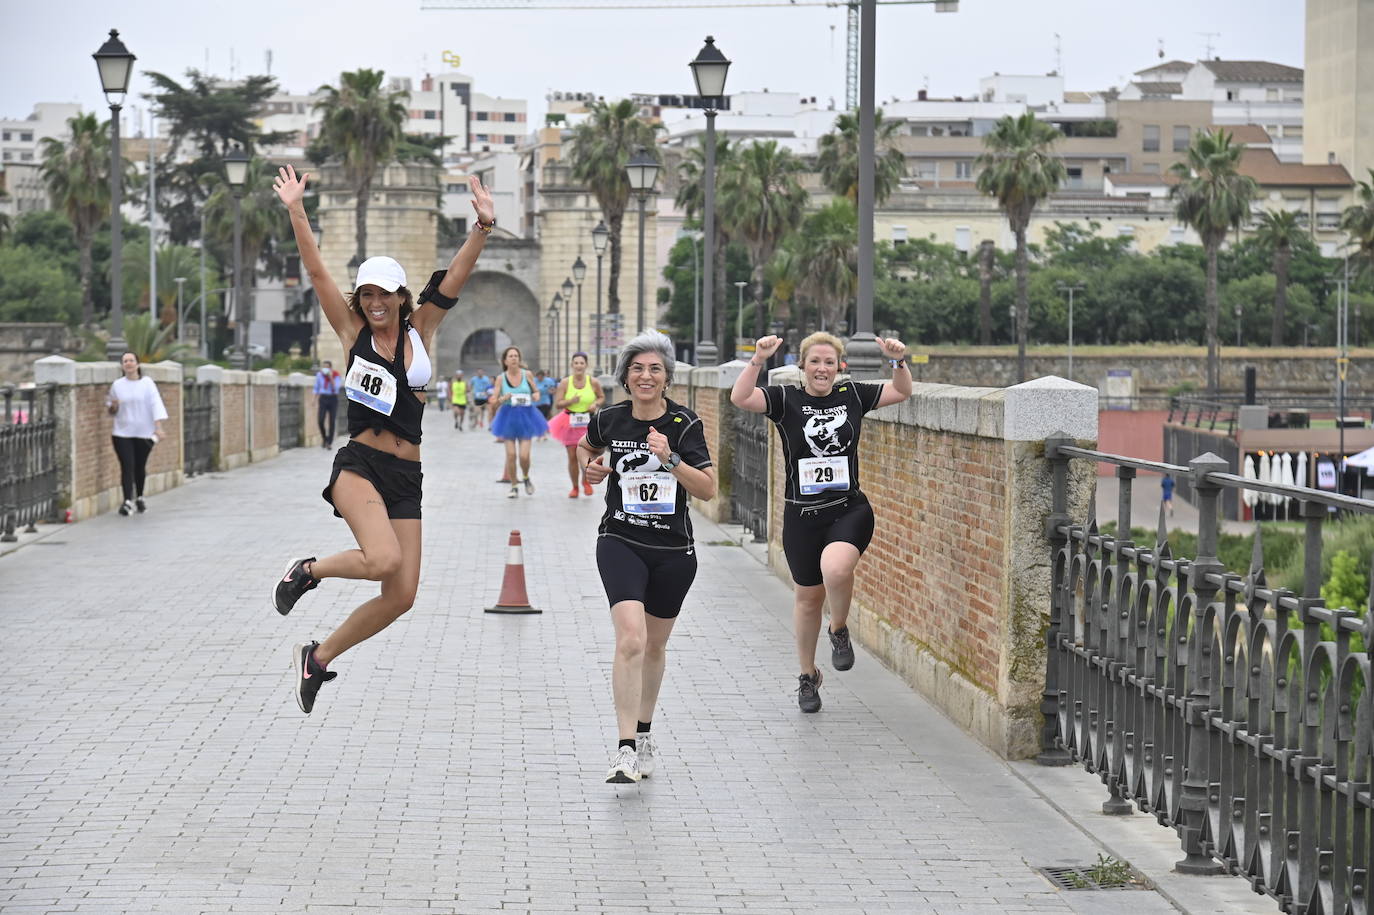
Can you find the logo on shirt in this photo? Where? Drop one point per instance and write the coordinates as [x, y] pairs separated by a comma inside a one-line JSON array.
[[826, 431], [637, 461]]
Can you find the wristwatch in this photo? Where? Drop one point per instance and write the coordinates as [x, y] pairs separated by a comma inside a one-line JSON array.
[[673, 460]]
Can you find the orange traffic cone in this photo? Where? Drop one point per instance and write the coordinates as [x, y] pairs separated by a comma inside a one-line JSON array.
[[513, 598]]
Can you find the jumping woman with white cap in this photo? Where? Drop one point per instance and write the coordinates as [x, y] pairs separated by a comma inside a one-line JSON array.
[[375, 483]]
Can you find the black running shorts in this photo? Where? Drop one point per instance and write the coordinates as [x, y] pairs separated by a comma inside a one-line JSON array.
[[658, 579], [397, 480], [807, 531]]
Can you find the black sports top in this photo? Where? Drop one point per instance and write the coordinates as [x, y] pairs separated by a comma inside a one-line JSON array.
[[379, 395], [820, 437], [636, 508]]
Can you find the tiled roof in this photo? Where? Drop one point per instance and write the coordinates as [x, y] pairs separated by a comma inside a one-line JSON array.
[[1172, 66], [1252, 71], [1266, 169], [1160, 88]]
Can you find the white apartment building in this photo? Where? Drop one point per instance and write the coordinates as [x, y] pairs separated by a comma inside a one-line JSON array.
[[500, 172], [447, 104], [21, 155]]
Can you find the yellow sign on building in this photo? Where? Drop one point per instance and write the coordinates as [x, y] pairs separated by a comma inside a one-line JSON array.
[[451, 59]]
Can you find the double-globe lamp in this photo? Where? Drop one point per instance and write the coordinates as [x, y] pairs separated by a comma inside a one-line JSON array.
[[116, 65], [641, 171], [709, 70]]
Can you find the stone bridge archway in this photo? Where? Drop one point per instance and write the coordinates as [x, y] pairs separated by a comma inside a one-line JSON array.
[[489, 300]]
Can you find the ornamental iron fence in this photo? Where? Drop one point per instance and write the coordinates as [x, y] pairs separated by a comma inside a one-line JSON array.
[[290, 403], [1236, 713], [749, 475], [200, 431], [28, 458]]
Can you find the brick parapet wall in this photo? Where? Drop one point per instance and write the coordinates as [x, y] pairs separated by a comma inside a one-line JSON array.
[[87, 468], [953, 592]]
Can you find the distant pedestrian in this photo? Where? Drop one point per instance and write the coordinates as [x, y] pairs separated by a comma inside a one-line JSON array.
[[654, 453], [481, 393], [545, 385], [576, 398], [327, 383], [458, 397], [1166, 487], [138, 413], [517, 421]]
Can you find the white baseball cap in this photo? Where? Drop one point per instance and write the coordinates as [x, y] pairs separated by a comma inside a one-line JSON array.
[[381, 271]]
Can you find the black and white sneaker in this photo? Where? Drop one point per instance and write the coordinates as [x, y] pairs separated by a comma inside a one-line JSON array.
[[126, 508], [529, 487], [310, 676], [809, 691], [292, 586], [624, 767], [140, 505], [841, 649]]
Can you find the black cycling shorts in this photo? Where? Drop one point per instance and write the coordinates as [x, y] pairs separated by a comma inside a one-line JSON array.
[[397, 480], [807, 531], [658, 579]]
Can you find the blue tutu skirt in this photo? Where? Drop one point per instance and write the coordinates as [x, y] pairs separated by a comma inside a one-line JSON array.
[[515, 423]]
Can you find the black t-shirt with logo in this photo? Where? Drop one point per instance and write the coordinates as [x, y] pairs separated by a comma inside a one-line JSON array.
[[645, 504], [820, 437]]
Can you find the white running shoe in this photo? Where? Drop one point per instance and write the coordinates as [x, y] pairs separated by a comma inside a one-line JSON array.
[[645, 752], [624, 767]]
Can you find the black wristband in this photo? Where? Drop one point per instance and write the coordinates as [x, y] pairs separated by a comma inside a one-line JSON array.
[[431, 292]]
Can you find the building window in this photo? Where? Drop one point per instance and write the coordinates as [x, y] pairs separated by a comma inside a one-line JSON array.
[[510, 139], [927, 171], [1150, 168], [1075, 176], [899, 236], [26, 156], [8, 156], [5, 135], [26, 136], [1271, 95], [1272, 130], [510, 116], [481, 138], [1149, 141], [1292, 131], [1292, 95], [479, 115], [1328, 222], [963, 169], [431, 115], [963, 238], [1230, 95], [1182, 136]]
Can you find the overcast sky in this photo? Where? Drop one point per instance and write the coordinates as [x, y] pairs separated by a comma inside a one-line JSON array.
[[525, 54]]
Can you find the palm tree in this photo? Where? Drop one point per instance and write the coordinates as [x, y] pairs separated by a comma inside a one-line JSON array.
[[761, 202], [1277, 231], [691, 199], [1358, 221], [1020, 170], [1213, 197], [838, 161], [601, 145], [363, 124], [77, 172], [829, 256], [261, 217], [151, 342]]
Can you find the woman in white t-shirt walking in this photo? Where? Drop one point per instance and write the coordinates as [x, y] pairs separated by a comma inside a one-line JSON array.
[[138, 412]]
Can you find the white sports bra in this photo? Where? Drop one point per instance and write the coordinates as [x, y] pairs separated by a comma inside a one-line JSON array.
[[418, 374]]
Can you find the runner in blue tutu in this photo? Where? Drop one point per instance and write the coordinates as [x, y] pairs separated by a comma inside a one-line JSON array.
[[517, 421]]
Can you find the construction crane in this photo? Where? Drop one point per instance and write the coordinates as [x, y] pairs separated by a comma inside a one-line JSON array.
[[851, 51]]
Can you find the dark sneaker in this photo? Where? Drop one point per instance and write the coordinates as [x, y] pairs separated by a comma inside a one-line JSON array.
[[293, 584], [529, 487], [140, 505], [841, 651], [809, 691], [126, 508], [310, 676]]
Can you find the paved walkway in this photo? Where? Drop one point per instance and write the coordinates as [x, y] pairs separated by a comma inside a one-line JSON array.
[[153, 758]]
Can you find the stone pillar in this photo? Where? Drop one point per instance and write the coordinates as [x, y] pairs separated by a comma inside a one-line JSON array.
[[231, 410], [262, 415], [310, 430]]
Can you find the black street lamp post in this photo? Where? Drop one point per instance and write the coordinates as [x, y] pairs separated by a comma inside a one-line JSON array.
[[567, 289], [553, 324], [559, 306], [579, 269], [599, 237], [116, 65], [709, 70], [236, 172], [642, 172]]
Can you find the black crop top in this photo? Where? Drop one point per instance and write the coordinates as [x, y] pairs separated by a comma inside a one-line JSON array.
[[379, 396]]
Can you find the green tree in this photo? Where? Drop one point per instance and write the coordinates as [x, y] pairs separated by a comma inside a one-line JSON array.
[[151, 342], [601, 145], [1347, 585], [262, 220], [762, 201], [1358, 221], [691, 199], [827, 260], [363, 124], [209, 116], [1020, 170], [838, 158], [1213, 197], [1256, 298], [77, 173], [34, 289], [1278, 230]]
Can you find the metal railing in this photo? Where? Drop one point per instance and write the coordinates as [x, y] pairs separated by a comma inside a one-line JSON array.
[[290, 403], [1224, 409], [1238, 714], [199, 431], [28, 458], [749, 476]]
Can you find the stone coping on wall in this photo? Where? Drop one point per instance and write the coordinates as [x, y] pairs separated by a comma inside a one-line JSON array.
[[61, 370]]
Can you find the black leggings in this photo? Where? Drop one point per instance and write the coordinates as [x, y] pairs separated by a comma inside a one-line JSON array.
[[658, 579], [133, 464]]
